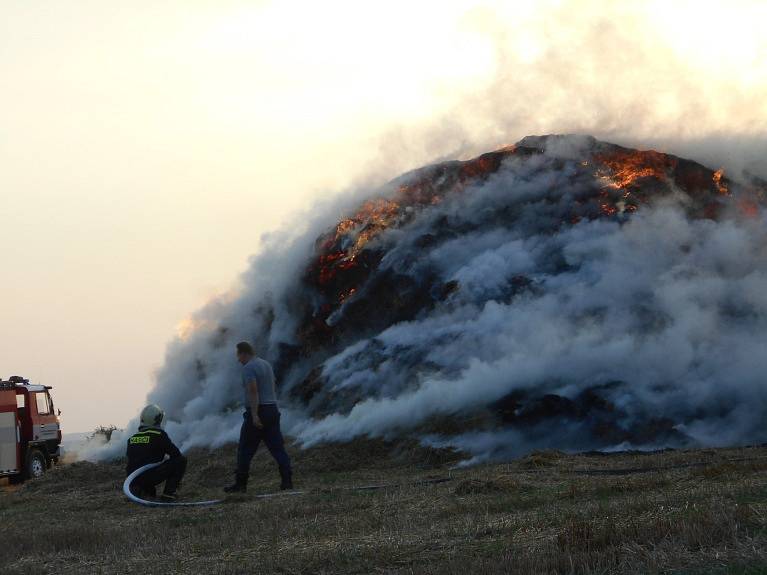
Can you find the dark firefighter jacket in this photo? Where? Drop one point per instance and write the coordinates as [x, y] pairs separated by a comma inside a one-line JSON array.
[[149, 445]]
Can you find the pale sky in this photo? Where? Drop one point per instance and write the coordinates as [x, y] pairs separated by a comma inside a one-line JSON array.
[[146, 146]]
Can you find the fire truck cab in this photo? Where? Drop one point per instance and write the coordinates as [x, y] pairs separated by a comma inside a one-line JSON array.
[[30, 433]]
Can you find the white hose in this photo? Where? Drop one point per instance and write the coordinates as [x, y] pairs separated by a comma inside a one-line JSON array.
[[139, 471]]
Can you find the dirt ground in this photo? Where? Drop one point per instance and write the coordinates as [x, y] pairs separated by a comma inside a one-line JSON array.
[[697, 511]]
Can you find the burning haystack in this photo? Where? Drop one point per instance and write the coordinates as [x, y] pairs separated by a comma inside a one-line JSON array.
[[561, 292]]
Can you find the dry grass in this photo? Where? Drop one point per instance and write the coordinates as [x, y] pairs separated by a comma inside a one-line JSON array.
[[674, 512]]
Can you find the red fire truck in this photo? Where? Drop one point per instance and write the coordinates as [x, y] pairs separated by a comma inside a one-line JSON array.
[[30, 433]]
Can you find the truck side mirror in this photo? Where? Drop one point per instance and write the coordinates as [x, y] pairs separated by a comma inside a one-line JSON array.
[[59, 412]]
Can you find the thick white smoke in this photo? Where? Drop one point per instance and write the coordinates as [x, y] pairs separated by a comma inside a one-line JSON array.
[[673, 308], [661, 312]]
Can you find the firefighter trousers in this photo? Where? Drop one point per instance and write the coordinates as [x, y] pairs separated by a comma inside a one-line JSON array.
[[171, 472]]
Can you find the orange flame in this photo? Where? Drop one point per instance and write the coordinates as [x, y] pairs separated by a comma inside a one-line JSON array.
[[340, 249], [625, 167], [721, 186], [374, 217]]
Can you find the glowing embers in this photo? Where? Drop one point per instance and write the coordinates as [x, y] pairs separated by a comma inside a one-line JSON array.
[[338, 267], [626, 167], [347, 294], [719, 182], [374, 217], [483, 165], [748, 207], [611, 204], [331, 264]]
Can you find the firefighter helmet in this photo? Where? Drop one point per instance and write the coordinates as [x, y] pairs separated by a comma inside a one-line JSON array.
[[152, 416]]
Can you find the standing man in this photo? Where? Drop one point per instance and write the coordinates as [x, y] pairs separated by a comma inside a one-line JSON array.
[[261, 420]]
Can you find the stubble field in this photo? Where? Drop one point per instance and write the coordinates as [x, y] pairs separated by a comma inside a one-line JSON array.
[[697, 511]]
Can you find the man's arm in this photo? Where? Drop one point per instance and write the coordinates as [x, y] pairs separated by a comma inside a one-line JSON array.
[[170, 448], [253, 394]]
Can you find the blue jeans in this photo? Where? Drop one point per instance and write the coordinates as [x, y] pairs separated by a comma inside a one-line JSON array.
[[251, 437]]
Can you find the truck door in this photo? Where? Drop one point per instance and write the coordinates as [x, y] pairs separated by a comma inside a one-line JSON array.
[[45, 424]]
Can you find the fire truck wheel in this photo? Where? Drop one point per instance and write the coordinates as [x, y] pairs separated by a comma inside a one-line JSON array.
[[35, 464]]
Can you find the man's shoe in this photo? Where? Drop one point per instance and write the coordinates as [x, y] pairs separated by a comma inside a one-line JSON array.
[[236, 488], [287, 479], [168, 498], [240, 484]]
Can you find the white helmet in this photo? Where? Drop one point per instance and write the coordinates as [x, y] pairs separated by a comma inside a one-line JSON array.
[[152, 416]]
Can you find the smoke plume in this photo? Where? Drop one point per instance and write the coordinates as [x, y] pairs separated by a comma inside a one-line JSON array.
[[561, 293]]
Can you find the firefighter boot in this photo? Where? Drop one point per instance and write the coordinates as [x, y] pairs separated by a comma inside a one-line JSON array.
[[240, 484], [142, 491], [287, 479]]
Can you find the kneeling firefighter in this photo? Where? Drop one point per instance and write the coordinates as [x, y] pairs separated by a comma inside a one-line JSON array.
[[150, 445]]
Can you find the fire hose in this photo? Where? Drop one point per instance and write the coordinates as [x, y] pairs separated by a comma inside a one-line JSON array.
[[135, 499], [140, 470]]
